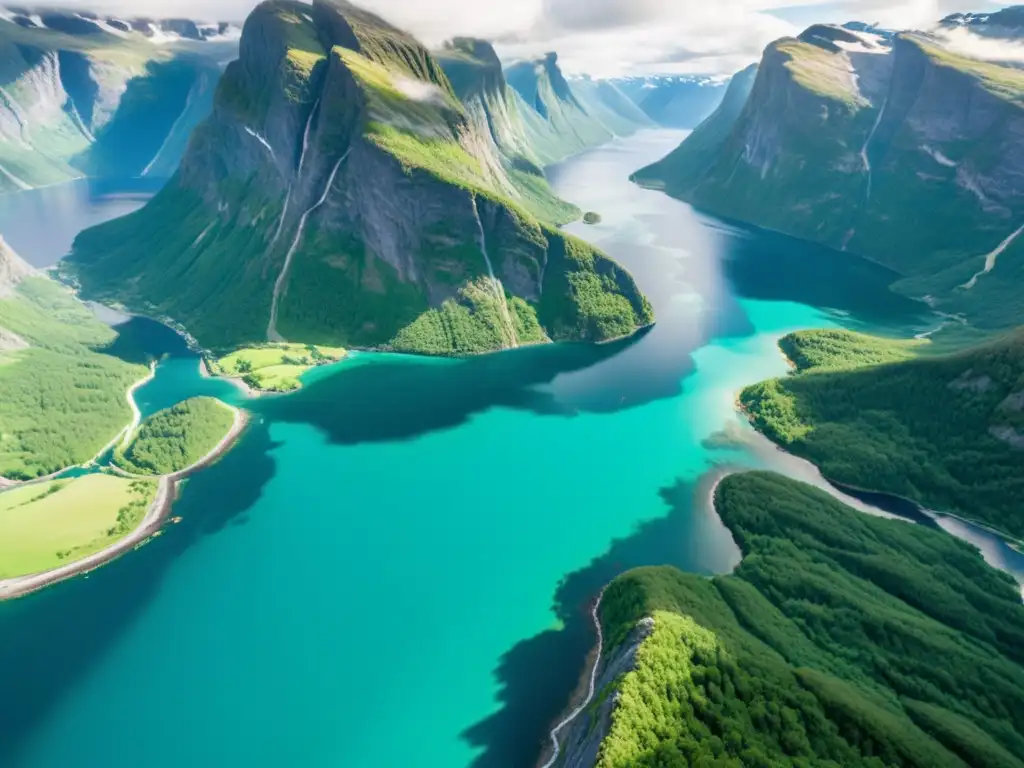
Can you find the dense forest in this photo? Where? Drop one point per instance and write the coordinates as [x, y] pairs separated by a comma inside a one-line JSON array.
[[841, 639], [176, 438], [63, 389], [944, 430]]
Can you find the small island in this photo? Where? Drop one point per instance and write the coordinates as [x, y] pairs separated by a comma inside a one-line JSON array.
[[177, 438], [590, 217], [273, 367]]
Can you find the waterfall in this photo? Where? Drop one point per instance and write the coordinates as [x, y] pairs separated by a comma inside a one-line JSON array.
[[284, 212], [272, 333], [496, 286], [864, 149], [305, 137], [261, 140], [990, 258]]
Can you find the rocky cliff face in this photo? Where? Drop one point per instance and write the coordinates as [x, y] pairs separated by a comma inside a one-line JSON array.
[[82, 96], [902, 151], [341, 193]]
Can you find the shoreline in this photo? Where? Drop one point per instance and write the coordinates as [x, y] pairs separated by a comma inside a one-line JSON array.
[[122, 435], [204, 372], [590, 677], [158, 512]]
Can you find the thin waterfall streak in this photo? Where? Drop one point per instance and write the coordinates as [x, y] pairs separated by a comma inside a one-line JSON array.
[[991, 257], [864, 149], [305, 136], [284, 212], [261, 140], [496, 285], [272, 333]]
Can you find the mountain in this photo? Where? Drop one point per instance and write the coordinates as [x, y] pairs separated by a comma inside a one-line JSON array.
[[82, 95], [565, 118], [697, 154], [478, 80], [674, 101], [63, 387], [819, 648], [903, 151], [340, 194], [945, 430], [1007, 23]]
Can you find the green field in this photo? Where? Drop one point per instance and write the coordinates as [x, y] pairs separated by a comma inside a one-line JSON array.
[[275, 367], [842, 639], [47, 525], [945, 430], [176, 438]]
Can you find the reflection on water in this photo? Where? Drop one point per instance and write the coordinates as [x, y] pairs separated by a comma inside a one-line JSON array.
[[41, 224]]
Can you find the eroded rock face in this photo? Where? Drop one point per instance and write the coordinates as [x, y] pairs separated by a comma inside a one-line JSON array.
[[900, 150]]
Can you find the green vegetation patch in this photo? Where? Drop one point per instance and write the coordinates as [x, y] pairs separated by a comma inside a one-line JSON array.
[[1006, 82], [176, 438], [275, 367], [47, 525], [942, 430], [822, 72], [64, 397], [841, 639]]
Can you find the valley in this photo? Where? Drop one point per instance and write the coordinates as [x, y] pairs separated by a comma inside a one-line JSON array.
[[421, 391]]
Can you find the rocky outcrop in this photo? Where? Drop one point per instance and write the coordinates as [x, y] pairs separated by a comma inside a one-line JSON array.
[[903, 151], [582, 741], [341, 192]]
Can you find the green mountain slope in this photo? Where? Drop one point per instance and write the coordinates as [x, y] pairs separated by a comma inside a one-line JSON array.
[[902, 151], [176, 438], [822, 648], [77, 99], [476, 75], [944, 430], [340, 194], [63, 394], [695, 156], [564, 118]]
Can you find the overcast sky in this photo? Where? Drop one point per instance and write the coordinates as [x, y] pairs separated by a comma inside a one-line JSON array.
[[605, 37]]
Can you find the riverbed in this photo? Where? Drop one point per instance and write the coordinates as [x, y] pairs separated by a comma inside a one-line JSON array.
[[394, 565]]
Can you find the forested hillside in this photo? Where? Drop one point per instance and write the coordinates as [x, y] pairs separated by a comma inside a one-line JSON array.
[[841, 639], [944, 430], [63, 392], [176, 437]]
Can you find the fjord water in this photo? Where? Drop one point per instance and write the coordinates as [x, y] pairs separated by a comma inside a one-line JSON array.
[[393, 567]]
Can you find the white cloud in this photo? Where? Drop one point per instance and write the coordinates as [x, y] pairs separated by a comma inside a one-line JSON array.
[[599, 37], [967, 43]]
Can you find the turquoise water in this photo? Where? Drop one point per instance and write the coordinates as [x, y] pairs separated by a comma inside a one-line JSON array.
[[392, 568]]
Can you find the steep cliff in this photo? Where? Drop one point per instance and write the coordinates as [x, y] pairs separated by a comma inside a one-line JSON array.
[[902, 151], [692, 158], [340, 193], [83, 97], [477, 77]]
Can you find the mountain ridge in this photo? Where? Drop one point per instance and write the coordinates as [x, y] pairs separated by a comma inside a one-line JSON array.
[[355, 202]]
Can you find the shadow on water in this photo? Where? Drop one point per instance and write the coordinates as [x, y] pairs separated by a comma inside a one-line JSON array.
[[52, 638], [140, 340], [396, 398], [537, 676]]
